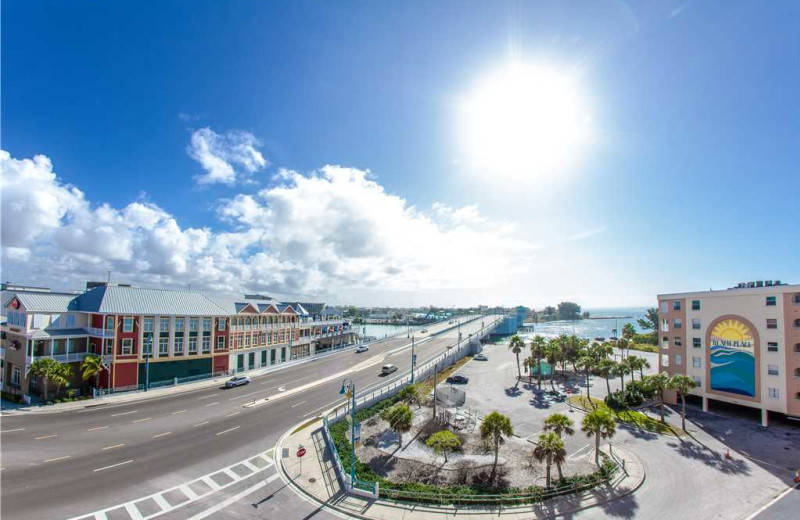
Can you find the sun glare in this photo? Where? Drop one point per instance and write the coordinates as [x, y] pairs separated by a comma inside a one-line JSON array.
[[524, 122]]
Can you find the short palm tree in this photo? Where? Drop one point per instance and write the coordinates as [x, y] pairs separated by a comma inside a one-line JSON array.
[[92, 367], [45, 369], [538, 351], [559, 424], [658, 383], [600, 424], [516, 344], [494, 426], [400, 419], [412, 394], [443, 442], [683, 385], [61, 376], [550, 450], [638, 363]]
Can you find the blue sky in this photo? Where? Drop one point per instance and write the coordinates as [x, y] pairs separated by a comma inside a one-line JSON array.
[[691, 178]]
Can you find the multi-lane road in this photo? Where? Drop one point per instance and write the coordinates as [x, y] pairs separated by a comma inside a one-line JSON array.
[[67, 464]]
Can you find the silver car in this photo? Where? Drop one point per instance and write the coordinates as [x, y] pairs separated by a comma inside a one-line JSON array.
[[237, 381]]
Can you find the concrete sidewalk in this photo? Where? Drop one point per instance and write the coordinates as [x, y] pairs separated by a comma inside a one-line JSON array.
[[314, 477]]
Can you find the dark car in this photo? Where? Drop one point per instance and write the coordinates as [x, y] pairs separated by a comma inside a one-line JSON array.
[[458, 380]]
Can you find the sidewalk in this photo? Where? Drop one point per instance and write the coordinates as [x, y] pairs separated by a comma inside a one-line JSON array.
[[319, 483]]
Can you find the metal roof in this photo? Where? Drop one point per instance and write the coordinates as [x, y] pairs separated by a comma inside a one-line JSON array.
[[136, 300], [58, 333], [36, 301]]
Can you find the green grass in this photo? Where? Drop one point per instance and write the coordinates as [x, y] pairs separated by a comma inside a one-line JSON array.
[[644, 347], [632, 417]]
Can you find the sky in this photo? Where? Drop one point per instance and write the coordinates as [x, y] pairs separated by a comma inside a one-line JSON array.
[[402, 153]]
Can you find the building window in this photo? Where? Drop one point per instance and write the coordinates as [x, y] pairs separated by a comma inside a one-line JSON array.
[[147, 324], [108, 348], [772, 323], [163, 346], [772, 301], [695, 305], [698, 381], [774, 393], [109, 322], [696, 324], [221, 324], [696, 343], [206, 344], [127, 324], [696, 362], [772, 346], [664, 360], [147, 345], [247, 340], [193, 324], [15, 376], [206, 324], [220, 342], [676, 305], [678, 360], [163, 324], [192, 344], [678, 342], [797, 348], [70, 320], [263, 358], [179, 324], [796, 299], [664, 325], [664, 308], [127, 346], [773, 370], [677, 323], [797, 323], [178, 348], [797, 372]]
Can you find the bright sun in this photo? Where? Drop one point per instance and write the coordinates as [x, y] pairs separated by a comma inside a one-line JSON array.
[[524, 122]]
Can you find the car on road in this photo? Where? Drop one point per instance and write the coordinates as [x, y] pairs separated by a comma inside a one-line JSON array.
[[458, 379], [423, 331], [481, 357], [362, 348], [237, 381], [388, 369]]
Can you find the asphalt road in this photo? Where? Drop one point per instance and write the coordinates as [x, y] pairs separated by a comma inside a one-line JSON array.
[[72, 463]]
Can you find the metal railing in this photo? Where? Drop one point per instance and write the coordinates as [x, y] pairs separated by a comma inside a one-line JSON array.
[[103, 333]]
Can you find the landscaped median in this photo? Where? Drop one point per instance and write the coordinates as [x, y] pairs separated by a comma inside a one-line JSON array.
[[626, 415]]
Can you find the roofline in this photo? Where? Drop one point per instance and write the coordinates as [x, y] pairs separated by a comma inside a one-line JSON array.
[[744, 291]]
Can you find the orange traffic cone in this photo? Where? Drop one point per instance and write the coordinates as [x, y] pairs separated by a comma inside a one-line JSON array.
[[797, 477], [727, 454]]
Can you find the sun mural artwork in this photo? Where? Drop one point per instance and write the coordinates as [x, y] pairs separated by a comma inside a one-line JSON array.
[[732, 356]]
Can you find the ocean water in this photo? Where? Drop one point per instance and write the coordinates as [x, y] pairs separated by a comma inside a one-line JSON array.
[[591, 328], [381, 331]]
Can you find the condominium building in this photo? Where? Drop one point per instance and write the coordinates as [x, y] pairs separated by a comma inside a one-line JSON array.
[[740, 345], [156, 336]]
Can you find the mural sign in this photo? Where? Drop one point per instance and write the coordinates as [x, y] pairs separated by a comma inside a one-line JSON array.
[[732, 358]]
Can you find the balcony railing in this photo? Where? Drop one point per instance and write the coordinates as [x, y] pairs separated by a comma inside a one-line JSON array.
[[278, 326], [72, 357], [103, 333]]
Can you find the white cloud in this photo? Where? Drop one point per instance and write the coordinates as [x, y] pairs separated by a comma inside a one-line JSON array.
[[225, 158], [587, 233], [329, 231]]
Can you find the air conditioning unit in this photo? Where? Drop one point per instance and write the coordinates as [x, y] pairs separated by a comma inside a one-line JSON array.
[[750, 285], [777, 282], [760, 283], [769, 283]]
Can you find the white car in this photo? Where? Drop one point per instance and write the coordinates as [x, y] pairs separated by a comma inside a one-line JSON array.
[[237, 381], [481, 357], [362, 348]]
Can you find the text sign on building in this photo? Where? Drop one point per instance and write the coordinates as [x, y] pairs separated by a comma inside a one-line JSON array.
[[732, 357]]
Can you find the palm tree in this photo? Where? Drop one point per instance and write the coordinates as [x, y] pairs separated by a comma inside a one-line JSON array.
[[494, 426], [92, 367], [628, 331], [559, 424], [659, 383], [62, 374], [412, 394], [606, 368], [553, 355], [638, 363], [538, 351], [516, 345], [400, 419], [683, 385], [550, 449], [443, 442], [601, 424], [45, 369], [586, 363], [620, 369]]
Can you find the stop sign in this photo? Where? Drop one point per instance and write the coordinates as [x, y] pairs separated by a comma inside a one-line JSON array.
[[301, 452]]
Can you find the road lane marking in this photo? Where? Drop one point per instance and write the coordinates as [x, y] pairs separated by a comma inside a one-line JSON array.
[[324, 407], [14, 430], [201, 424], [46, 437], [179, 411], [207, 396], [97, 428], [212, 404], [133, 511], [298, 404], [225, 503], [228, 430], [162, 502], [189, 492], [112, 447], [124, 413], [232, 414], [574, 456], [113, 466], [142, 420], [245, 395], [58, 458], [161, 434]]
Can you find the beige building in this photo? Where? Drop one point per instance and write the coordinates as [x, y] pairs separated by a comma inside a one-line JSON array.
[[740, 345]]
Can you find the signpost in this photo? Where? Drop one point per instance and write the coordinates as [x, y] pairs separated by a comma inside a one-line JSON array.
[[300, 452]]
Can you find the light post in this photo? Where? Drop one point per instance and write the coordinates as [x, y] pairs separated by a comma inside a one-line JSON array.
[[349, 389], [413, 359]]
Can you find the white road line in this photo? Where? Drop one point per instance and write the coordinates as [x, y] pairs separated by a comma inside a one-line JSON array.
[[228, 430], [325, 407], [113, 466], [133, 511], [231, 474], [142, 420], [124, 413], [207, 396], [250, 465], [298, 404], [232, 414], [58, 458], [162, 502], [225, 503], [188, 492], [245, 395], [14, 430], [179, 411], [213, 404], [575, 455], [210, 483], [97, 428], [161, 435], [46, 437], [112, 447], [768, 504], [200, 424]]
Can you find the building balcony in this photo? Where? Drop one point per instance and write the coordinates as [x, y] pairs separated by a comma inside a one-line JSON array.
[[102, 333]]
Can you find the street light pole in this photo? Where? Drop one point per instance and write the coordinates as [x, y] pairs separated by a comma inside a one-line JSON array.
[[413, 359], [348, 387]]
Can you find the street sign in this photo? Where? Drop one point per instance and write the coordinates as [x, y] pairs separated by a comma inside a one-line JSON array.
[[301, 452], [414, 359]]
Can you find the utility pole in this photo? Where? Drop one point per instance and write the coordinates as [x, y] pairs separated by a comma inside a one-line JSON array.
[[435, 377], [413, 359]]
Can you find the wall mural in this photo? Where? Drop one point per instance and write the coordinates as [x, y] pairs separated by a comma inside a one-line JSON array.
[[732, 356]]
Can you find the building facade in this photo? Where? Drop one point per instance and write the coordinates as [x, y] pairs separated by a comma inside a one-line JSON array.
[[740, 345], [153, 337]]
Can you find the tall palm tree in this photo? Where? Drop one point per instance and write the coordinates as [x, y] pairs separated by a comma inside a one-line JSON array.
[[553, 355], [620, 369], [683, 385], [587, 363], [550, 449], [601, 424], [638, 363], [559, 424], [92, 367], [606, 368], [516, 345], [61, 375], [400, 419], [494, 426], [658, 383], [538, 351]]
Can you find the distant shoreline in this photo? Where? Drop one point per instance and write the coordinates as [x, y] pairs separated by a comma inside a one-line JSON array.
[[610, 318]]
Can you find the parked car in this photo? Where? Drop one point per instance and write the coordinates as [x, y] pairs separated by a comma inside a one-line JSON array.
[[237, 381], [423, 331], [481, 357], [388, 369], [362, 348], [458, 380]]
